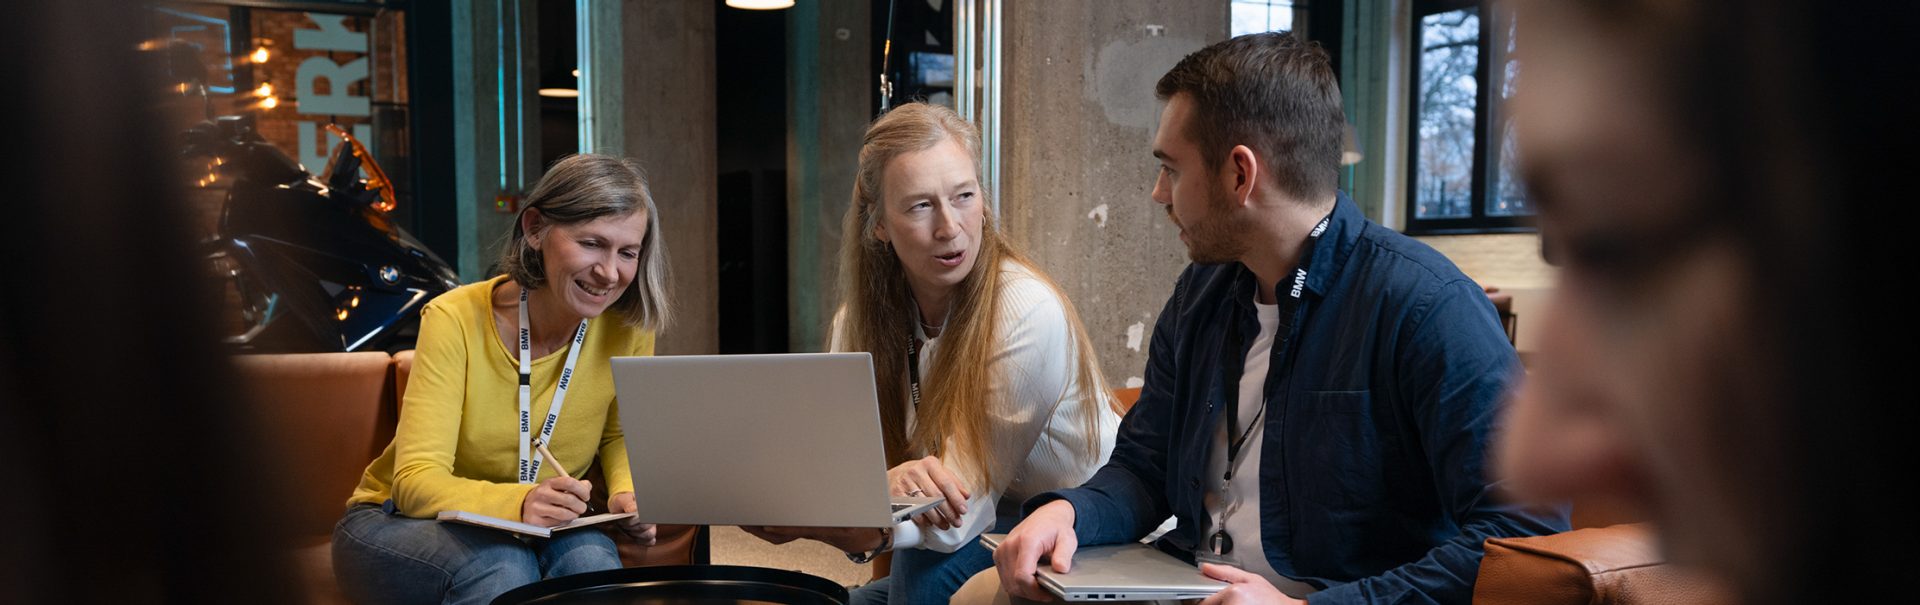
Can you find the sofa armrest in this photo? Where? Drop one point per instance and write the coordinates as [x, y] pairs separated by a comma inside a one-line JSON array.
[[1616, 564]]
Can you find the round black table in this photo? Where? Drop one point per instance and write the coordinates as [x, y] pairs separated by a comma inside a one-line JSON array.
[[681, 585]]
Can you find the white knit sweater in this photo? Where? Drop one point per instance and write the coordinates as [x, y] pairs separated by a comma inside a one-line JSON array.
[[1039, 440]]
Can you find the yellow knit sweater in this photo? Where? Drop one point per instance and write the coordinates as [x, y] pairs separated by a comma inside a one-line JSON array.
[[457, 444]]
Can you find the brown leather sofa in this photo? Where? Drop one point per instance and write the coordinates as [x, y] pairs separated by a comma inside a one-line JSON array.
[[329, 415], [1612, 564], [1608, 558]]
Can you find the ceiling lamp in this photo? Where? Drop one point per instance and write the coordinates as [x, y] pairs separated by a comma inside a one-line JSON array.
[[760, 5]]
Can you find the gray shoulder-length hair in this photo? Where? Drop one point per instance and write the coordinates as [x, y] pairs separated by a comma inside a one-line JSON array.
[[581, 188]]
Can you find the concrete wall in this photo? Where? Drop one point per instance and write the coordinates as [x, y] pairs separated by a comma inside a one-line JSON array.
[[829, 77], [1078, 172]]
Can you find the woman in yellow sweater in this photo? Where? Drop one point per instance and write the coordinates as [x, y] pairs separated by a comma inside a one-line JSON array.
[[501, 365]]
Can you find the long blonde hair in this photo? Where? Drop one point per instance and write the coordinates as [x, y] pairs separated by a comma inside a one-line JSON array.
[[878, 310]]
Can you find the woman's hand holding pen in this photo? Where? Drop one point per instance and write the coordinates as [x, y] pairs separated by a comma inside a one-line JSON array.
[[555, 501], [560, 499]]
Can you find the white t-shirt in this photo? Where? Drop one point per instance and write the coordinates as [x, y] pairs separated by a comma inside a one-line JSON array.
[[1038, 428], [1243, 495]]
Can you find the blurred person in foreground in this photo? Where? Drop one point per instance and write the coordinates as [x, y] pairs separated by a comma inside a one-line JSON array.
[[1714, 180], [138, 474]]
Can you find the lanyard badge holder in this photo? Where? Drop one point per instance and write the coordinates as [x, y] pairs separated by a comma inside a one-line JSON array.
[[529, 464], [1220, 544]]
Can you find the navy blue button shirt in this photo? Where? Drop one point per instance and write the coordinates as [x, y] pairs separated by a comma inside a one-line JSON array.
[[1373, 476]]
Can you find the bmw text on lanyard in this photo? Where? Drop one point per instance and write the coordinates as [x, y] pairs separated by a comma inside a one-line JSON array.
[[913, 368], [529, 465], [1220, 543]]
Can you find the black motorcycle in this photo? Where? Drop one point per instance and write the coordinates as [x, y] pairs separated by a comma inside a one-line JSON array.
[[311, 263]]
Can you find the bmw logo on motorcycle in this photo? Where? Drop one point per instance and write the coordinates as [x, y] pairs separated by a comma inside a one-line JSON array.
[[389, 274]]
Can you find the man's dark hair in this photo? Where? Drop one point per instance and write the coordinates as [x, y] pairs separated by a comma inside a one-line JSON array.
[[1274, 93]]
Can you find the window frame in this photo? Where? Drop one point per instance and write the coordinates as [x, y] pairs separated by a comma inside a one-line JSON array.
[[1485, 152]]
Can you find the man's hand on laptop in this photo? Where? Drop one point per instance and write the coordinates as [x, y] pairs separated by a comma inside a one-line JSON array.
[[847, 539], [1048, 532], [1243, 587], [928, 477]]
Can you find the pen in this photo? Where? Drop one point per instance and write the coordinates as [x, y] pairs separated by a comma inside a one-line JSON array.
[[551, 459], [541, 446]]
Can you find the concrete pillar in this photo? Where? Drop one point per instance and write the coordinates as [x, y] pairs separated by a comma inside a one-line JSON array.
[[1078, 171], [651, 66], [829, 80], [668, 122]]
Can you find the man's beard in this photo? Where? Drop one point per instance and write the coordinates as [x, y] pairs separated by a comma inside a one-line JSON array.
[[1220, 236]]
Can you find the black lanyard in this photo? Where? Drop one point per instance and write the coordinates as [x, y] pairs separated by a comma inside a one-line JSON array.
[[913, 368], [1233, 360]]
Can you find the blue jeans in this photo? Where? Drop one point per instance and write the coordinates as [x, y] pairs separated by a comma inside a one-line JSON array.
[[927, 576], [380, 557]]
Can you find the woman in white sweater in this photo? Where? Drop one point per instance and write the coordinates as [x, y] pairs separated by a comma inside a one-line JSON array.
[[988, 387]]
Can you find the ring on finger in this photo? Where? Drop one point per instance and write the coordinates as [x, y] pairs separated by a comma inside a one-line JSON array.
[[916, 493]]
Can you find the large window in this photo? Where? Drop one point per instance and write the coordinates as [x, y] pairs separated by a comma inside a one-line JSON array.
[[1255, 16], [1462, 152]]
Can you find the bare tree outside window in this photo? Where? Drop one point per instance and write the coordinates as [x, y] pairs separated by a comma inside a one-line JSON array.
[[1449, 90], [1460, 158]]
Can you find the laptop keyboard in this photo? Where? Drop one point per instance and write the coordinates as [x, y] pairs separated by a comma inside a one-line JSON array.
[[897, 507]]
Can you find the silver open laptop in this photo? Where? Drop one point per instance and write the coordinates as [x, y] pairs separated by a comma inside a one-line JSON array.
[[1122, 572], [790, 440]]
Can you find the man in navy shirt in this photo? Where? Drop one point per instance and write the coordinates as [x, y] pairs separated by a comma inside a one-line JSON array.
[[1320, 390]]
